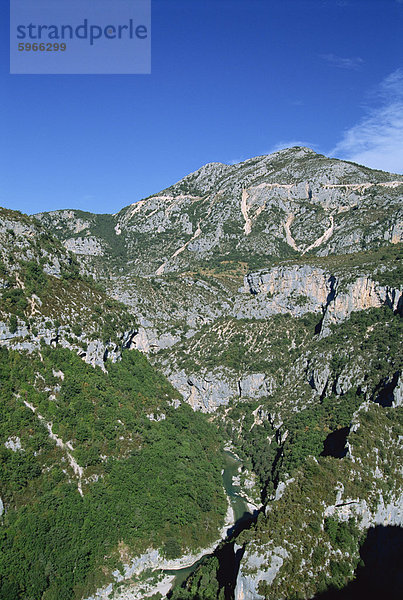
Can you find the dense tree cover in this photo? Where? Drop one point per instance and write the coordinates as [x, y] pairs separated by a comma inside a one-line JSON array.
[[306, 430], [202, 584], [332, 545], [342, 534], [147, 483], [375, 335], [310, 427]]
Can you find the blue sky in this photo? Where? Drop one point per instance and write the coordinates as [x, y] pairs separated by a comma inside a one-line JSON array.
[[231, 79]]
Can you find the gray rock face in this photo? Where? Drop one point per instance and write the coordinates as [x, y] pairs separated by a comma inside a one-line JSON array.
[[253, 386], [53, 267], [361, 295], [398, 393], [298, 290], [293, 200], [251, 572], [6, 334], [295, 289], [148, 340], [348, 379], [88, 246], [13, 443], [385, 513], [318, 378], [65, 219], [96, 353], [202, 393], [212, 389]]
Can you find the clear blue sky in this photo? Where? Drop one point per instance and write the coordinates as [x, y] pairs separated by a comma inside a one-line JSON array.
[[231, 79]]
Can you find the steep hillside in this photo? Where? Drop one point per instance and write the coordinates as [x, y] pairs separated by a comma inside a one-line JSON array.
[[267, 295], [222, 222], [294, 201], [45, 300], [93, 457]]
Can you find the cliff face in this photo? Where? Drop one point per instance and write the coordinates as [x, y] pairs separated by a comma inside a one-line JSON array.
[[305, 289], [328, 297]]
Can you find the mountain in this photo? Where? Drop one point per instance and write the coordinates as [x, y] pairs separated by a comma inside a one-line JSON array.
[[266, 296], [282, 205]]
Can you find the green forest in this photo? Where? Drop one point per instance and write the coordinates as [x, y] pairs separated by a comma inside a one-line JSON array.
[[145, 483]]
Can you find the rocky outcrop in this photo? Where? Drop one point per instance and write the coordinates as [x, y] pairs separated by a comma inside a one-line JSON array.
[[96, 351], [362, 294], [318, 378], [251, 573], [208, 391], [385, 513], [205, 392], [13, 443], [253, 386], [88, 246], [295, 289], [148, 340], [298, 290], [398, 393]]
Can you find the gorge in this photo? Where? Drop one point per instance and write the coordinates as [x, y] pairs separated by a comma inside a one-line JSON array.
[[252, 309]]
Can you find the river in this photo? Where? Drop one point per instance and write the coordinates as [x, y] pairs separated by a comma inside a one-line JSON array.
[[238, 503]]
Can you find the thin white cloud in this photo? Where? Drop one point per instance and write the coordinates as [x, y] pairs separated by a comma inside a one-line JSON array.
[[352, 63], [235, 161], [377, 140], [280, 146], [290, 144]]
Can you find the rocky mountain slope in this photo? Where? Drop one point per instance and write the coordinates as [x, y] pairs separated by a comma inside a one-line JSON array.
[[95, 445], [222, 222], [270, 295]]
